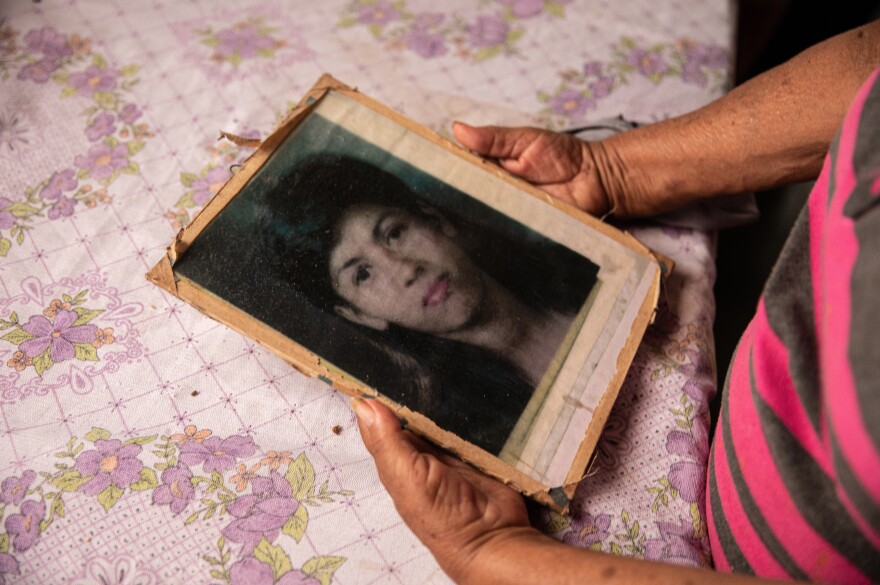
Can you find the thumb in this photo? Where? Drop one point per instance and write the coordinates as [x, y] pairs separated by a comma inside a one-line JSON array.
[[390, 445], [494, 141]]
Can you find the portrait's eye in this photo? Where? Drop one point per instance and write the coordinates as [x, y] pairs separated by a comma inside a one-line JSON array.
[[395, 232], [361, 275]]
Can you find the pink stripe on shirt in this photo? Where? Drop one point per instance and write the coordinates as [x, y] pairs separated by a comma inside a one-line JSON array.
[[840, 251], [748, 541], [805, 546], [775, 386]]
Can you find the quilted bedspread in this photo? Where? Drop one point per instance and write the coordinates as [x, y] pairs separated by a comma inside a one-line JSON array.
[[142, 442]]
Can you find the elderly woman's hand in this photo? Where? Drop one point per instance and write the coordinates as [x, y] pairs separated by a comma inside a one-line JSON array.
[[456, 511], [567, 168], [477, 528]]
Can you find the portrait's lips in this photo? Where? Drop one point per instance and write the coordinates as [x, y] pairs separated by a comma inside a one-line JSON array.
[[437, 291]]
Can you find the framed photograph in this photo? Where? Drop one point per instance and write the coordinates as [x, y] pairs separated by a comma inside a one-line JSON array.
[[365, 249]]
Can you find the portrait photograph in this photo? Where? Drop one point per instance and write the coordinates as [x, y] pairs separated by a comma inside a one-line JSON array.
[[492, 320]]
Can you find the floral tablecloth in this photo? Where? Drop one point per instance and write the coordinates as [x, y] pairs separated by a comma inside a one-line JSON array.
[[144, 443]]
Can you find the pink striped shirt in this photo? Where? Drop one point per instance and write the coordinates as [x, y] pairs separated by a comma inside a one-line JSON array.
[[794, 475]]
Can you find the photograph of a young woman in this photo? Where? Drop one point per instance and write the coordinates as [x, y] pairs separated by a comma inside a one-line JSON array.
[[470, 317]]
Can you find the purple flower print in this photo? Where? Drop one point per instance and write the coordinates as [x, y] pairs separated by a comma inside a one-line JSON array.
[[699, 372], [24, 528], [243, 39], [380, 13], [38, 72], [525, 8], [648, 63], [176, 489], [693, 73], [92, 80], [8, 566], [14, 489], [593, 69], [427, 20], [712, 56], [426, 44], [587, 530], [217, 454], [715, 57], [697, 57], [61, 181], [102, 161], [7, 220], [206, 187], [63, 208], [110, 462], [101, 126], [250, 571], [488, 31], [677, 544], [59, 336], [262, 513], [129, 113], [52, 44], [570, 102], [688, 477], [602, 87]]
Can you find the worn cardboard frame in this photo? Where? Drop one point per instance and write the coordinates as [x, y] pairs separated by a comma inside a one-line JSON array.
[[555, 496]]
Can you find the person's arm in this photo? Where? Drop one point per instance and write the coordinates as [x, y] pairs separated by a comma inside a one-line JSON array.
[[477, 528], [772, 130]]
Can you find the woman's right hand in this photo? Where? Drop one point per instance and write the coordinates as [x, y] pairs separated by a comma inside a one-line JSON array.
[[558, 163], [584, 174]]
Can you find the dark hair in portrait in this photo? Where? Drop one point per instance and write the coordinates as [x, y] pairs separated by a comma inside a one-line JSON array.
[[473, 392]]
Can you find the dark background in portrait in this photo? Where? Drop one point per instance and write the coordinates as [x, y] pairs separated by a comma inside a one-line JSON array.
[[231, 260]]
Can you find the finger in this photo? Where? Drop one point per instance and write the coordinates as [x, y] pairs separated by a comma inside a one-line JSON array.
[[424, 482], [380, 428], [495, 141], [383, 435]]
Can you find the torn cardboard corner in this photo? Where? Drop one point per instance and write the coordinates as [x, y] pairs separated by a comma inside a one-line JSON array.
[[239, 140], [162, 274], [558, 498]]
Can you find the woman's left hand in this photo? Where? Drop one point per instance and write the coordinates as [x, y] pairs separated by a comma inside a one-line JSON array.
[[455, 510], [477, 528]]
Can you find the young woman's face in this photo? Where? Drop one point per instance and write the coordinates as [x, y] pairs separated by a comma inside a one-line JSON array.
[[399, 268]]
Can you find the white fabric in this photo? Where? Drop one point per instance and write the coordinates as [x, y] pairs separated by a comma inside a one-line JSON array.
[[157, 446]]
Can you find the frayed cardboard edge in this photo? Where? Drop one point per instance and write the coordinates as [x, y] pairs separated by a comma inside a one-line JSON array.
[[586, 456], [162, 274], [557, 498], [239, 140]]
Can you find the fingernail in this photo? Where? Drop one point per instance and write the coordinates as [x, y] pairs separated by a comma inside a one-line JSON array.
[[364, 412]]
